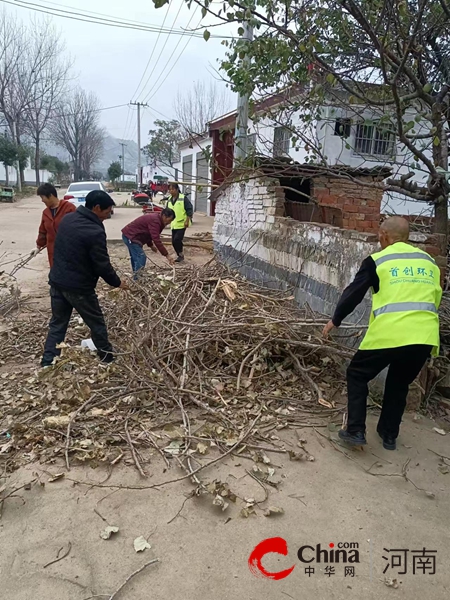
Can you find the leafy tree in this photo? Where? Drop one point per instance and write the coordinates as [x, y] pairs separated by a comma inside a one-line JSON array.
[[97, 175], [164, 140], [11, 153], [8, 154], [55, 166], [114, 171], [389, 60]]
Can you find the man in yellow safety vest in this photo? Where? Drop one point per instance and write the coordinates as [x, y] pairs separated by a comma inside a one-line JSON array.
[[403, 328], [182, 207]]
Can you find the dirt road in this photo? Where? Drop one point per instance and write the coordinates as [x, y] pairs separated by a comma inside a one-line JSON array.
[[19, 224], [376, 499]]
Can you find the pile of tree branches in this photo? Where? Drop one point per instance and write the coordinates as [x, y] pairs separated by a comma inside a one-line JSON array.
[[206, 362]]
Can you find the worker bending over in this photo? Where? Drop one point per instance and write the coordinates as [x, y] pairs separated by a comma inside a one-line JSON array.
[[182, 207], [146, 230], [403, 328]]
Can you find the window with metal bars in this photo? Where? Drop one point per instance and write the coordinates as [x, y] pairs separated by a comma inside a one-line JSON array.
[[373, 141], [281, 141]]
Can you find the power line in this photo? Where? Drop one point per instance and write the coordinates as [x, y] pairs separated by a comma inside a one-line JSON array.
[[153, 51], [163, 48], [167, 73], [91, 111], [84, 17], [126, 122]]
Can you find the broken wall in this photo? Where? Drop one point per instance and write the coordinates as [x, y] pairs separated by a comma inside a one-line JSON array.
[[316, 260]]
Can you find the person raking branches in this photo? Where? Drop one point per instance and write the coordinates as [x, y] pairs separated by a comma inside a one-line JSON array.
[[184, 211], [146, 230], [51, 218], [81, 258], [403, 328]]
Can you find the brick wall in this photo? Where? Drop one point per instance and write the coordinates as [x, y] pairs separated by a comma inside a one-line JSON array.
[[360, 205], [317, 261]]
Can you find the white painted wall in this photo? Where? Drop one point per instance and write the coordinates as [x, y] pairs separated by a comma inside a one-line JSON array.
[[198, 146], [30, 175], [336, 152], [149, 172]]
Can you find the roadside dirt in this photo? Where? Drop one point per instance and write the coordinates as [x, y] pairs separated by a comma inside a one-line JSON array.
[[377, 499]]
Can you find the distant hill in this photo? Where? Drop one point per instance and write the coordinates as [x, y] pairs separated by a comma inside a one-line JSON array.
[[112, 150]]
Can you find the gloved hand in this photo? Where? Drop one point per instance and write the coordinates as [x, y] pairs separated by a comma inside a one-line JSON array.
[[34, 252]]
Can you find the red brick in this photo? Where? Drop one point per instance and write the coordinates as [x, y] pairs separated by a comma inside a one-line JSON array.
[[433, 250], [366, 224], [344, 222], [359, 216], [326, 200], [352, 224], [323, 191], [351, 208]]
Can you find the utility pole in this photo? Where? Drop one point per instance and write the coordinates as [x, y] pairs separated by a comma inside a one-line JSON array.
[[240, 136], [19, 182], [139, 104], [123, 160]]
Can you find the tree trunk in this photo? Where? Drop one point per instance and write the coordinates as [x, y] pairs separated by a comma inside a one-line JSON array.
[[440, 185], [37, 160], [7, 175], [21, 173]]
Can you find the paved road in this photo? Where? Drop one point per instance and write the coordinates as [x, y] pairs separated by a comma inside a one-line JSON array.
[[19, 223]]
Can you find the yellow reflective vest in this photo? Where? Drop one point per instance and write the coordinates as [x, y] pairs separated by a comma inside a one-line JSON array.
[[180, 212], [405, 309]]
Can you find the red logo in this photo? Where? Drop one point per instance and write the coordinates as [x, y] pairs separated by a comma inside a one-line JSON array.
[[277, 545]]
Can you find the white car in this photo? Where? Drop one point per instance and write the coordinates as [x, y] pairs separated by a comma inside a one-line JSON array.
[[77, 192]]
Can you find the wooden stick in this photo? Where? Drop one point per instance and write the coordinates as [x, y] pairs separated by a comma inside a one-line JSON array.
[[133, 451], [116, 593]]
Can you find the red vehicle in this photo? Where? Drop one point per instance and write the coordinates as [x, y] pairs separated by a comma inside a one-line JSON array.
[[150, 207], [140, 197]]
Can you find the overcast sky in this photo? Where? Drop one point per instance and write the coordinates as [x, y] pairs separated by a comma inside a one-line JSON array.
[[111, 61]]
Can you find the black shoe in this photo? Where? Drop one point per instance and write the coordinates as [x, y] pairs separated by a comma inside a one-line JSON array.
[[179, 258], [106, 357], [389, 442], [353, 439]]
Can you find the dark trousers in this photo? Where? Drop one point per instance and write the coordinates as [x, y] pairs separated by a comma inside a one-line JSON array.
[[177, 240], [137, 255], [404, 363], [88, 307]]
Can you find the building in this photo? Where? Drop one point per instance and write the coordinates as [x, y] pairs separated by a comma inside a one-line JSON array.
[[194, 168], [343, 133], [265, 231], [155, 170]]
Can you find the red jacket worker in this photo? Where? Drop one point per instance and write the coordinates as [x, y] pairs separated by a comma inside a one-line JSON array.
[[51, 218]]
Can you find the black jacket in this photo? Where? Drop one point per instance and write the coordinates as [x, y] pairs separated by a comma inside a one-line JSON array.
[[81, 255], [354, 293]]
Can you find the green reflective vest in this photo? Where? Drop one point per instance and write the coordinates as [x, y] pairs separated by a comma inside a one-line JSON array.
[[180, 212], [405, 309]]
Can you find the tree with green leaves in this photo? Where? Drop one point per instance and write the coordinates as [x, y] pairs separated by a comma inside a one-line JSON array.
[[8, 154], [383, 65], [11, 153], [114, 171], [59, 169], [163, 144]]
